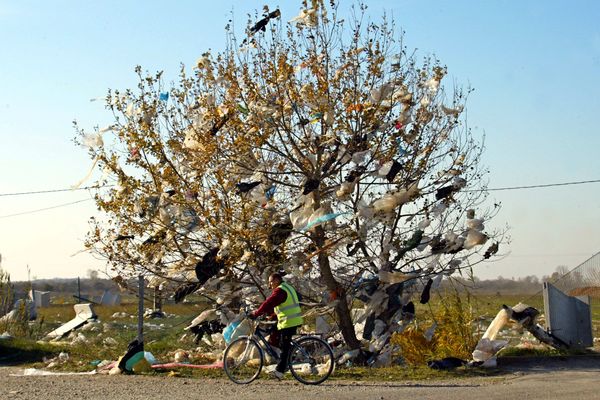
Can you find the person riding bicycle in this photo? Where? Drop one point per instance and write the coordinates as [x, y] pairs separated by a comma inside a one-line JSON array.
[[283, 301]]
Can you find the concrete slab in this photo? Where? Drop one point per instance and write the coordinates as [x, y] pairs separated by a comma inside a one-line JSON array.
[[41, 299], [110, 299], [83, 313]]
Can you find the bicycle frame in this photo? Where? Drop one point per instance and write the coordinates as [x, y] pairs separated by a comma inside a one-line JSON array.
[[259, 335]]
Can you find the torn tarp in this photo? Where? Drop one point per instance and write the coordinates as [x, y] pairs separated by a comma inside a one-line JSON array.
[[244, 187], [280, 232], [310, 185], [446, 363], [133, 349], [206, 268], [390, 170], [425, 294]]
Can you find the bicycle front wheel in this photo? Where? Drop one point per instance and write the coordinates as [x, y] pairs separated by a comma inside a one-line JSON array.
[[243, 360], [311, 360]]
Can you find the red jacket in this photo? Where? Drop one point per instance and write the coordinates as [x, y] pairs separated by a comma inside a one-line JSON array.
[[277, 297]]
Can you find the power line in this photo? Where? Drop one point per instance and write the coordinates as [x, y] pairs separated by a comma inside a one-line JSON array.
[[544, 185], [99, 187], [53, 190], [44, 209], [478, 190]]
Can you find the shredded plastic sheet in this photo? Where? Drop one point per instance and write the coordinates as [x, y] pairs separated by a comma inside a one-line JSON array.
[[430, 332], [87, 176], [424, 224], [93, 140], [474, 238], [321, 325], [215, 365], [320, 220], [496, 325], [476, 224], [306, 17], [487, 346], [383, 92], [41, 372], [437, 281], [394, 277], [206, 315], [452, 111]]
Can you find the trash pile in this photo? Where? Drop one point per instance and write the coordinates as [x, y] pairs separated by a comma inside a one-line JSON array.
[[22, 309], [526, 317]]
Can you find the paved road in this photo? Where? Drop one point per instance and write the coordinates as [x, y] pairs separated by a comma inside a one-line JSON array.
[[536, 380]]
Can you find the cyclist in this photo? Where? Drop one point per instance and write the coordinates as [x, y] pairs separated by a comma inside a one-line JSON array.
[[283, 302]]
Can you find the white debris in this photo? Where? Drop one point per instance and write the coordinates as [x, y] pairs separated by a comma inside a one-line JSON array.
[[110, 342]]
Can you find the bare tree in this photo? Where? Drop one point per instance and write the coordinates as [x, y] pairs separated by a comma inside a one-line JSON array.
[[320, 147]]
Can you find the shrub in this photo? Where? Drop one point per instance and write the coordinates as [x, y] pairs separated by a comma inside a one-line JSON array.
[[453, 336]]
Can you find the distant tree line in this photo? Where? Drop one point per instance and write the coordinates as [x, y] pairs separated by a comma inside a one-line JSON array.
[[90, 287], [94, 286], [523, 285], [562, 277]]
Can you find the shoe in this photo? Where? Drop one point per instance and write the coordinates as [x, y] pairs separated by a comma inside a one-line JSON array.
[[276, 374]]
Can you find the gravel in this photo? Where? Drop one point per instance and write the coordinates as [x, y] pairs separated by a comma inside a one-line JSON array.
[[530, 383]]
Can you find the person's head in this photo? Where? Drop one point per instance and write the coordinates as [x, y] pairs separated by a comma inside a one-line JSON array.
[[275, 280]]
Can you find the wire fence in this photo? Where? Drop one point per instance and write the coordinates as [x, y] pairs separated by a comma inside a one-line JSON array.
[[584, 279]]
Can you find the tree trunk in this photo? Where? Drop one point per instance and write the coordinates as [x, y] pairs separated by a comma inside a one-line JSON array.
[[342, 310], [157, 299]]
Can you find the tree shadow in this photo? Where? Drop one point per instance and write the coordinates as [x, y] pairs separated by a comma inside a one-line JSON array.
[[12, 353]]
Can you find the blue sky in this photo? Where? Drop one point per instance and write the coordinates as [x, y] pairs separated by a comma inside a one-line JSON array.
[[535, 67]]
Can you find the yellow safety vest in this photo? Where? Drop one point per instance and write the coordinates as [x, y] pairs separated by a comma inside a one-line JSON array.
[[289, 313]]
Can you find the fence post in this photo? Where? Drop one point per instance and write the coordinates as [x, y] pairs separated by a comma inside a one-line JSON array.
[[140, 336]]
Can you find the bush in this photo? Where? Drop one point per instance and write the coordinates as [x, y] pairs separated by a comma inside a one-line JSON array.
[[18, 324], [6, 297], [453, 336]]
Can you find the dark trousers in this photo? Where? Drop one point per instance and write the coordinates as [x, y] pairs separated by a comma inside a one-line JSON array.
[[286, 344]]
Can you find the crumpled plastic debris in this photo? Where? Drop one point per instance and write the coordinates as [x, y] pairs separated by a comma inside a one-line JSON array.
[[348, 356], [394, 277], [236, 329], [474, 238], [487, 346], [41, 372], [446, 363], [110, 342], [428, 334], [316, 219], [5, 336], [307, 17]]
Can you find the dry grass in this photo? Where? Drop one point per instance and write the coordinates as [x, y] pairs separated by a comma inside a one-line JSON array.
[[453, 336], [457, 314]]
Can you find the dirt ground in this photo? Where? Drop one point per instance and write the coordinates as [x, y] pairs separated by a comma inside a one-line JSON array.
[[542, 378]]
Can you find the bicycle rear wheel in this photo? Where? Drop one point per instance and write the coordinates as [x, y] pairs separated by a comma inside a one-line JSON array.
[[311, 360], [243, 360]]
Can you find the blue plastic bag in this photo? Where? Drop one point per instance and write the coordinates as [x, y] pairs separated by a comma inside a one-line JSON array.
[[228, 331]]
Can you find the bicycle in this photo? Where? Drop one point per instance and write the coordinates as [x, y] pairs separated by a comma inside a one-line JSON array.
[[310, 361]]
